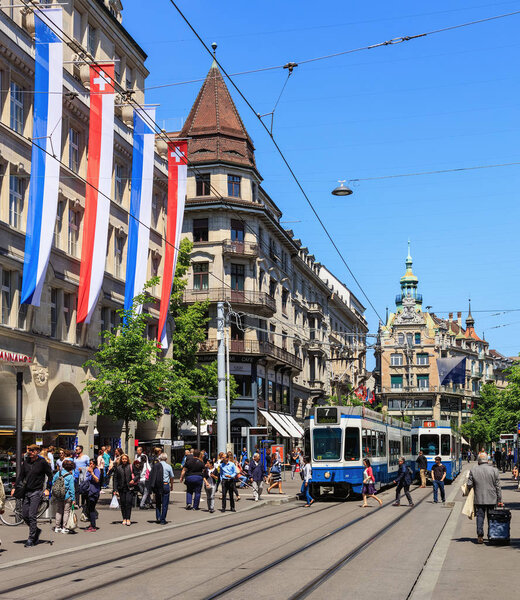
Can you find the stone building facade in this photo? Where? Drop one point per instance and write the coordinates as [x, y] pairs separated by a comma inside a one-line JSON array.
[[410, 343], [289, 316], [48, 334]]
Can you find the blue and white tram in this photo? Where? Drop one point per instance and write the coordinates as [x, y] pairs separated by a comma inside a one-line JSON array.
[[338, 438], [436, 438]]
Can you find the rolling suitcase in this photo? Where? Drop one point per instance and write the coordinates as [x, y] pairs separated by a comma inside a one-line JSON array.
[[499, 526]]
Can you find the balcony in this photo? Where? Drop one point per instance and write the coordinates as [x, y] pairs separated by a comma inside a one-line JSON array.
[[410, 390], [400, 297], [263, 303], [315, 346], [237, 248], [254, 347], [316, 385], [315, 309]]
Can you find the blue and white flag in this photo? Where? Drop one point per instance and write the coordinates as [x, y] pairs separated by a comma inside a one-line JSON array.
[[452, 370], [46, 151], [140, 203]]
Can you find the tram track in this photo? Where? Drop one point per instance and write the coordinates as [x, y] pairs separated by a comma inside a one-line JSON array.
[[74, 570], [318, 581]]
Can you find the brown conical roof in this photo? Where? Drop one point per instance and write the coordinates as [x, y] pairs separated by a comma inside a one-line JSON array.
[[215, 127]]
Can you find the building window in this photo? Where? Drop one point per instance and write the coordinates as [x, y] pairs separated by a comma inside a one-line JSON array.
[[203, 184], [77, 26], [237, 230], [417, 339], [254, 191], [273, 255], [400, 339], [117, 68], [423, 381], [237, 277], [233, 184], [119, 244], [73, 150], [129, 78], [59, 223], [17, 112], [285, 298], [155, 210], [68, 307], [423, 359], [200, 276], [396, 360], [409, 339], [6, 296], [22, 310], [74, 219], [91, 40], [272, 287], [119, 178], [200, 230], [396, 382], [54, 312], [16, 189], [156, 261], [108, 319], [261, 275]]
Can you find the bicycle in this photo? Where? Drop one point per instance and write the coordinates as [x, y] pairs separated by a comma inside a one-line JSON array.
[[12, 515]]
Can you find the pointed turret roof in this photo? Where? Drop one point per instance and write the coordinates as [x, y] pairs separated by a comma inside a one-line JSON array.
[[409, 277], [216, 130]]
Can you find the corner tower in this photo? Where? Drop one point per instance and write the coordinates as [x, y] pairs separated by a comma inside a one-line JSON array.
[[409, 284]]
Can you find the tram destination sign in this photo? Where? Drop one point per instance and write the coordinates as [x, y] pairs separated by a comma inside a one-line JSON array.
[[326, 415]]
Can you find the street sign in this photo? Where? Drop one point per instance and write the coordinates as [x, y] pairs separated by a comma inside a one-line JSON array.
[[178, 443], [254, 431]]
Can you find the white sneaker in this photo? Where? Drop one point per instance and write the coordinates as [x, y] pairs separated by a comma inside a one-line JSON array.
[[83, 517], [65, 530], [57, 530]]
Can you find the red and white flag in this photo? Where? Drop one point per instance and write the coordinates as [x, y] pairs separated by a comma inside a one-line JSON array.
[[99, 188], [177, 175]]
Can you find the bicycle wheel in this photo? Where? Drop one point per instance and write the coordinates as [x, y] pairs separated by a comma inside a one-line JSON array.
[[12, 512], [44, 505]]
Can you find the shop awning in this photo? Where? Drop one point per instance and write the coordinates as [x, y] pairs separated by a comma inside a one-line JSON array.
[[268, 416], [290, 425]]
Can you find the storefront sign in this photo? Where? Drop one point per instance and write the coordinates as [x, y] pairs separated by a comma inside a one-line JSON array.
[[240, 368], [14, 357], [178, 443], [164, 442]]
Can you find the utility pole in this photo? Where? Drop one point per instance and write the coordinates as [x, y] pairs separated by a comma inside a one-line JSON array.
[[19, 413], [221, 375], [229, 446]]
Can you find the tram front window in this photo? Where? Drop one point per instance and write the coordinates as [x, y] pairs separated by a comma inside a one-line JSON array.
[[352, 443], [429, 444], [327, 443]]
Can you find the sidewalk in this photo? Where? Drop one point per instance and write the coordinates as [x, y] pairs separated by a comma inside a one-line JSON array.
[[458, 566]]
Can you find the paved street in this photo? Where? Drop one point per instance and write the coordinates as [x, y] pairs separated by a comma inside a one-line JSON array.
[[271, 551]]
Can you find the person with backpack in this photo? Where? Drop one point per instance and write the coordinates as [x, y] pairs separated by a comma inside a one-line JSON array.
[[403, 481], [63, 494]]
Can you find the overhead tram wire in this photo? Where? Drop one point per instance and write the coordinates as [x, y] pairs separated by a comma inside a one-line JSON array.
[[392, 42], [280, 152]]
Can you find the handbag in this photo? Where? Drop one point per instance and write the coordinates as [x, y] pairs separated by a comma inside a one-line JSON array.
[[84, 486], [72, 521], [276, 468]]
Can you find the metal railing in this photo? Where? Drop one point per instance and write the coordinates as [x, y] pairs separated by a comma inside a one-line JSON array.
[[250, 298], [241, 248], [255, 347]]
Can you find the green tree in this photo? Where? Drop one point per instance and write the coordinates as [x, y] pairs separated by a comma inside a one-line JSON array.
[[131, 380]]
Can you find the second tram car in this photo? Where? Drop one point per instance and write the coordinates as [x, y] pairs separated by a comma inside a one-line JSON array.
[[337, 438], [437, 438]]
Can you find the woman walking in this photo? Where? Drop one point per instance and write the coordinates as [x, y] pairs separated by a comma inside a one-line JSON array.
[[276, 474], [210, 482], [369, 490], [306, 483], [124, 486], [93, 476], [144, 488], [63, 495], [192, 475]]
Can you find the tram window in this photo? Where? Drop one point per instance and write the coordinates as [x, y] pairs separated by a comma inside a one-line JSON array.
[[327, 443], [381, 444], [373, 443], [352, 443], [365, 444], [445, 444], [395, 452], [415, 439], [407, 444], [429, 444], [307, 443]]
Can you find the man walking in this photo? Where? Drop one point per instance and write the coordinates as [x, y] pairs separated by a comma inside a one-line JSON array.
[[504, 460], [258, 475], [228, 472], [403, 480], [422, 465], [439, 475], [485, 480], [29, 489], [498, 458]]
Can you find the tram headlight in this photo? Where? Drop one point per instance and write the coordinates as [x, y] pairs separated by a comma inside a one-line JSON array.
[[327, 475]]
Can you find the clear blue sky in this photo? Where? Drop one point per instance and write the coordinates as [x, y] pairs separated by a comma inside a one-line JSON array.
[[440, 102]]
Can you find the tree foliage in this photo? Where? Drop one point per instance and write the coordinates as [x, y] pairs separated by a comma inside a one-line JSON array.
[[497, 410]]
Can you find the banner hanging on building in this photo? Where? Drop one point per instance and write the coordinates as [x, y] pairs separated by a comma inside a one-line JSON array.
[[452, 370], [177, 176], [46, 152], [98, 190], [140, 203]]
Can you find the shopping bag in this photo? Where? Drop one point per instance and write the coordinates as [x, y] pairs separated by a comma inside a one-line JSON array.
[[464, 487], [469, 506], [115, 502], [72, 521]]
